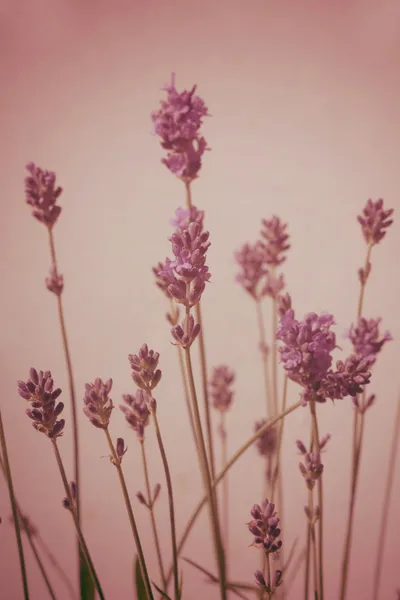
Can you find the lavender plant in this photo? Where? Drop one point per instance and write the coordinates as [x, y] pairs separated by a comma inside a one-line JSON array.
[[303, 350]]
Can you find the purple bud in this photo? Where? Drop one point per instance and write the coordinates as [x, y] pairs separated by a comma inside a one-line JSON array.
[[301, 446], [156, 492], [142, 499], [260, 579]]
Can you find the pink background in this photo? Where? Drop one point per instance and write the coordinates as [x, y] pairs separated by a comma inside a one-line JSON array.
[[305, 101]]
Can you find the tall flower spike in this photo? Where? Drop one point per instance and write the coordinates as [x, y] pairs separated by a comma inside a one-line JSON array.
[[183, 337], [144, 365], [276, 241], [178, 124], [374, 221], [39, 391], [42, 194], [98, 404], [265, 527], [251, 260], [136, 412], [55, 282], [311, 468], [366, 339], [266, 443], [221, 382]]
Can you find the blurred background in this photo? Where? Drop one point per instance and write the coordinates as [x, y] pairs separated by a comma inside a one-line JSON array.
[[304, 97]]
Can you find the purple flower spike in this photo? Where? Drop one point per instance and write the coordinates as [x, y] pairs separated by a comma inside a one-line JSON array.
[[221, 381], [178, 124], [374, 221], [266, 443], [366, 339], [39, 391], [265, 527], [55, 282], [251, 260], [276, 241], [98, 404], [311, 468], [185, 338], [136, 412], [42, 194], [144, 365], [185, 216]]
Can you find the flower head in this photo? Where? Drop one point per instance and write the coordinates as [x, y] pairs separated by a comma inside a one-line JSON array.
[[136, 412], [185, 336], [220, 385], [251, 260], [266, 443], [311, 468], [144, 365], [185, 216], [276, 241], [265, 527], [374, 221], [98, 404], [366, 339], [39, 391], [178, 124], [42, 194], [55, 282]]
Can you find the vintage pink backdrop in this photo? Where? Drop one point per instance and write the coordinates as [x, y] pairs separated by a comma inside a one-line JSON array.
[[304, 97]]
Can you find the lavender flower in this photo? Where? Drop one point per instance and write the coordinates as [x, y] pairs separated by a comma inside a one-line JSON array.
[[366, 339], [274, 285], [66, 503], [220, 385], [363, 404], [284, 304], [374, 221], [185, 216], [266, 443], [185, 336], [164, 276], [265, 527], [269, 588], [39, 391], [98, 404], [276, 241], [136, 412], [178, 124], [144, 365], [55, 282], [312, 467], [251, 260], [42, 194], [307, 358]]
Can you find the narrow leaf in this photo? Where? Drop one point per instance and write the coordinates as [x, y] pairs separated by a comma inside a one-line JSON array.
[[86, 580], [141, 593]]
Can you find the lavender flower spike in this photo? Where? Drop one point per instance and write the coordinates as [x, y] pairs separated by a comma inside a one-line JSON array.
[[221, 381], [253, 270], [185, 338], [366, 339], [98, 404], [144, 365], [178, 124], [42, 194], [265, 527], [39, 391], [276, 241], [375, 221], [136, 412], [266, 444]]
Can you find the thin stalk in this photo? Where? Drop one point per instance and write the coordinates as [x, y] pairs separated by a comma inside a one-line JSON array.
[[170, 501], [152, 517], [41, 567], [207, 477], [320, 505], [386, 502], [222, 474], [7, 472], [269, 575], [313, 543], [307, 566], [43, 546], [81, 539], [225, 487], [274, 356], [263, 344], [117, 462], [356, 426]]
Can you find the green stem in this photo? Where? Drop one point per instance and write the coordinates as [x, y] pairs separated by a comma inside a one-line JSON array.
[[152, 517], [41, 543], [7, 472], [263, 343], [81, 539], [313, 542], [386, 502], [117, 462], [171, 500], [222, 474], [320, 504], [307, 565]]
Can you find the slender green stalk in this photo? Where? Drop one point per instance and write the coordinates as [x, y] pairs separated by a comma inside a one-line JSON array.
[[152, 517], [225, 486], [207, 477], [117, 462], [222, 474], [386, 502], [320, 504], [263, 344], [274, 355], [41, 567], [313, 543], [43, 546], [170, 499], [84, 548], [269, 582], [307, 567], [7, 472]]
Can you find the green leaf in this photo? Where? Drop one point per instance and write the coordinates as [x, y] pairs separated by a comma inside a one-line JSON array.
[[141, 593], [86, 581]]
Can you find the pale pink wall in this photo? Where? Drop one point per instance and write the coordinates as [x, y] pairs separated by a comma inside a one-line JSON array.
[[305, 98]]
